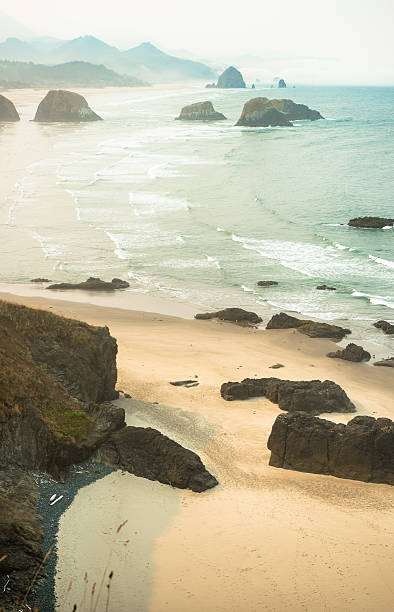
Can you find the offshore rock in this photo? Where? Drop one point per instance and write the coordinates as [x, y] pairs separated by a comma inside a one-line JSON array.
[[361, 450], [389, 362], [267, 283], [312, 396], [231, 78], [201, 111], [296, 112], [385, 326], [8, 111], [93, 284], [352, 352], [312, 329], [40, 280], [59, 105], [235, 315], [260, 112], [281, 84], [148, 453], [371, 222], [326, 288]]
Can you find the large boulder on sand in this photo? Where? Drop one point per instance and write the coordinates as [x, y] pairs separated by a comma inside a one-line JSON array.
[[388, 363], [361, 450], [353, 352], [385, 326], [200, 111], [312, 329], [260, 112], [312, 396], [296, 112], [371, 222], [8, 111], [93, 284], [235, 315], [59, 105], [231, 78]]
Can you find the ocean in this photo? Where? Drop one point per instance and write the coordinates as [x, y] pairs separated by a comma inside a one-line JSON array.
[[200, 212]]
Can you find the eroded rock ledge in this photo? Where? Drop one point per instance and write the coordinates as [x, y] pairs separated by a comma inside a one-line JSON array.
[[234, 315], [93, 284], [200, 111], [313, 329]]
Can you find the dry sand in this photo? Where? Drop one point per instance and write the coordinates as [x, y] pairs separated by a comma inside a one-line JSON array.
[[265, 538]]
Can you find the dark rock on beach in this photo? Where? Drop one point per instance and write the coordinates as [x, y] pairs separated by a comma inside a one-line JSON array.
[[385, 326], [235, 315], [267, 283], [60, 106], [352, 352], [312, 329], [40, 280], [201, 111], [260, 112], [312, 396], [93, 284], [371, 222], [389, 362], [8, 111], [148, 453], [231, 78], [326, 288], [361, 450]]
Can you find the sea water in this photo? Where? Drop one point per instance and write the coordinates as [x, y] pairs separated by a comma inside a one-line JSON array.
[[202, 211]]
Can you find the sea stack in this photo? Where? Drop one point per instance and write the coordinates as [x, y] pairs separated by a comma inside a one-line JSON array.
[[59, 106], [260, 112], [200, 111], [282, 84], [231, 78], [296, 112], [8, 111]]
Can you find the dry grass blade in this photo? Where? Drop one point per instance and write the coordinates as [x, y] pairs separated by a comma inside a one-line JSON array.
[[36, 575], [121, 525], [2, 559]]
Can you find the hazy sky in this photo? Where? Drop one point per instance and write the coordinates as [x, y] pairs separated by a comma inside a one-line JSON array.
[[334, 41]]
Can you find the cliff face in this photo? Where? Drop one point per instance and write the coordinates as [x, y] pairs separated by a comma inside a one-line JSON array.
[[201, 111], [231, 78], [59, 105], [8, 111], [260, 112]]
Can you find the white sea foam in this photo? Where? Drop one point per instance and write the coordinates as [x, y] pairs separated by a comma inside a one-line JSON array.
[[148, 203], [215, 261], [383, 262], [220, 229], [376, 300], [179, 239], [119, 242]]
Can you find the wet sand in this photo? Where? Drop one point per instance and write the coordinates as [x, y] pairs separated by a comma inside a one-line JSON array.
[[265, 538]]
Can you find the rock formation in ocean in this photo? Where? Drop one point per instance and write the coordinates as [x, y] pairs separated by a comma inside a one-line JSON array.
[[40, 280], [361, 450], [385, 326], [311, 396], [260, 112], [267, 283], [296, 112], [93, 284], [59, 105], [371, 222], [253, 86], [281, 84], [389, 362], [21, 536], [8, 111], [312, 329], [148, 453], [352, 352], [231, 78], [326, 288], [235, 315], [200, 111]]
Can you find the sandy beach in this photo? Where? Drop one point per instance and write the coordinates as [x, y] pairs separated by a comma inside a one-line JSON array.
[[265, 538]]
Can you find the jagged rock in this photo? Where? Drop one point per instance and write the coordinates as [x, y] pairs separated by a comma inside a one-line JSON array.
[[371, 222], [231, 78], [361, 450], [388, 328], [260, 112], [8, 111], [40, 280], [59, 105], [312, 329], [389, 362], [312, 396], [267, 283], [201, 111], [148, 453], [281, 84], [296, 112], [352, 352], [253, 86], [21, 536], [235, 315], [93, 284], [326, 288], [210, 85]]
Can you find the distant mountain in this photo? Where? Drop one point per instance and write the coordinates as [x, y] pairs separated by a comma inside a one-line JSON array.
[[87, 49], [70, 74], [12, 27]]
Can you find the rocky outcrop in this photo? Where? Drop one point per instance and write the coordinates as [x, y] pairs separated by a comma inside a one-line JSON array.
[[235, 315], [281, 84], [8, 111], [312, 329], [311, 396], [385, 326], [59, 105], [389, 362], [21, 536], [93, 284], [231, 78], [326, 288], [148, 453], [352, 352], [371, 222], [267, 283], [296, 112], [260, 112], [201, 111], [361, 450], [40, 280]]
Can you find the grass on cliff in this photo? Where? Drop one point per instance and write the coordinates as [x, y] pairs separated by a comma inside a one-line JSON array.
[[70, 422]]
